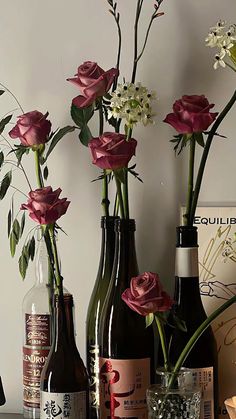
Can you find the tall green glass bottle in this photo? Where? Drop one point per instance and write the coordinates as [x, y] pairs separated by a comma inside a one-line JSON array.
[[95, 307]]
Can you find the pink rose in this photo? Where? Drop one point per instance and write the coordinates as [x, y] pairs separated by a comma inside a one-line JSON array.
[[93, 82], [44, 205], [112, 150], [191, 114], [32, 129], [146, 296]]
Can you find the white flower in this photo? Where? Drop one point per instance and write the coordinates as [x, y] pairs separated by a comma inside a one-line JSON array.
[[132, 102], [226, 45], [213, 39], [219, 62]]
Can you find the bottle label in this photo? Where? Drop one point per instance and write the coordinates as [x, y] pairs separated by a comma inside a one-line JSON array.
[[37, 329], [123, 385], [93, 368], [63, 405], [186, 262], [33, 362], [205, 380]]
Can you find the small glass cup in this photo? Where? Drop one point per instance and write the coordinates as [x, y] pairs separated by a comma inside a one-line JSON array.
[[175, 396]]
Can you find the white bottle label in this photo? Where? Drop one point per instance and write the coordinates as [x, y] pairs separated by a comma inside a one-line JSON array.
[[63, 405], [205, 380], [186, 262]]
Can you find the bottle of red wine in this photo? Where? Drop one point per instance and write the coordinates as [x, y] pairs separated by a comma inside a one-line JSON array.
[[203, 358], [95, 308], [126, 345], [64, 381]]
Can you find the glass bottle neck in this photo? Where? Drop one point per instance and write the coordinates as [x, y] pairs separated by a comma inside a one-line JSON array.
[[41, 264], [63, 323], [107, 246], [125, 263]]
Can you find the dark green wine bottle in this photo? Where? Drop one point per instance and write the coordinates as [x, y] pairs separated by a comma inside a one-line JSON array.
[[95, 307], [203, 358], [126, 345]]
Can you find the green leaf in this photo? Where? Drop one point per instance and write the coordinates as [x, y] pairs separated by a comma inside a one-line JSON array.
[[16, 230], [199, 139], [19, 152], [23, 264], [9, 223], [5, 184], [32, 248], [179, 323], [4, 122], [149, 319], [1, 158], [22, 224], [45, 173], [12, 244], [81, 116], [57, 137], [85, 135]]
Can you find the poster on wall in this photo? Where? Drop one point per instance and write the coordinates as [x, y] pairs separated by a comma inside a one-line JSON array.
[[217, 275]]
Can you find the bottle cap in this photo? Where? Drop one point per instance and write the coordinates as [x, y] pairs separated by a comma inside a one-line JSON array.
[[125, 225], [186, 236]]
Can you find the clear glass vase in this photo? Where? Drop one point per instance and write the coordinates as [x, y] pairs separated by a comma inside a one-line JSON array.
[[174, 396]]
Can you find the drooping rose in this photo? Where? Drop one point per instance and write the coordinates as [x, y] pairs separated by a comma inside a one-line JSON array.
[[32, 129], [112, 150], [146, 295], [45, 206], [93, 83], [191, 114]]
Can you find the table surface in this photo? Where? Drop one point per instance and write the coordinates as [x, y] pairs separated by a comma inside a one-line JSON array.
[[10, 416]]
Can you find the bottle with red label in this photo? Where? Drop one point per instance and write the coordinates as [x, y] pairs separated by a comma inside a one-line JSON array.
[[203, 357], [64, 380], [126, 345], [37, 334]]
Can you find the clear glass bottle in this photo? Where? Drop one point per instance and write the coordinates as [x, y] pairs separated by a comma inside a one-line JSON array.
[[95, 308], [37, 334], [64, 380], [126, 345]]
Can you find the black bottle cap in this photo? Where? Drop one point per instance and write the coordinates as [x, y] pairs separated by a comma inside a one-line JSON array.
[[108, 221], [125, 225], [186, 236]]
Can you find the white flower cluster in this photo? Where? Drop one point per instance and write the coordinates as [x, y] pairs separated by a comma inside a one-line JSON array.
[[224, 38], [132, 102]]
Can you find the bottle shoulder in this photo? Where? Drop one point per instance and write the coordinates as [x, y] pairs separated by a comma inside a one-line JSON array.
[[36, 300]]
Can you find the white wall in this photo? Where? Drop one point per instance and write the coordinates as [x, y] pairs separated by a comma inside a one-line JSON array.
[[42, 43]]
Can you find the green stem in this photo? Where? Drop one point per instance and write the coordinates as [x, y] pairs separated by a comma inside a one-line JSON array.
[[58, 276], [38, 169], [205, 153], [138, 11], [120, 197], [14, 97], [146, 38], [190, 179], [163, 343], [105, 199], [199, 332], [126, 193], [101, 119], [230, 66]]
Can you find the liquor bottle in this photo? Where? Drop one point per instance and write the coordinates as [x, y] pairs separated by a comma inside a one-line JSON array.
[[203, 357], [126, 345], [64, 381], [37, 334], [95, 307]]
